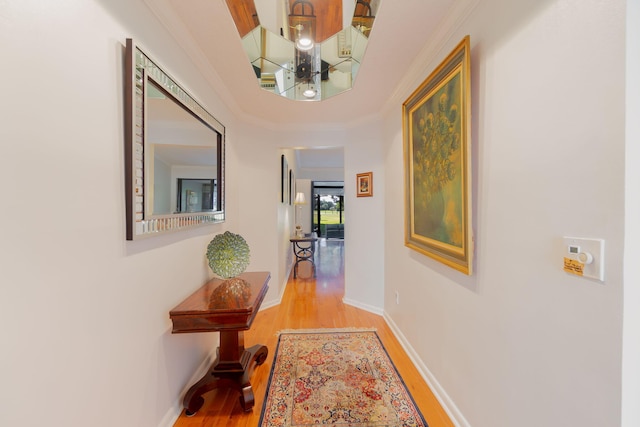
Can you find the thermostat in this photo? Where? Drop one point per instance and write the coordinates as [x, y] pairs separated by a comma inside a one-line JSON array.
[[584, 257]]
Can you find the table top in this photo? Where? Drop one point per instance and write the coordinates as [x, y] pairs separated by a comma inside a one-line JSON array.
[[308, 237], [222, 304]]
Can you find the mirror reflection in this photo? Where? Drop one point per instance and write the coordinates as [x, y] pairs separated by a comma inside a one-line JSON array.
[[304, 49], [196, 195], [182, 156]]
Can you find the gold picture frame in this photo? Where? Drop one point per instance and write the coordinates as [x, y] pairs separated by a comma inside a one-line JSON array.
[[364, 184], [436, 129]]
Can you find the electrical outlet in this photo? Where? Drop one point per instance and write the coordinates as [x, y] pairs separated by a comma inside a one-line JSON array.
[[397, 297]]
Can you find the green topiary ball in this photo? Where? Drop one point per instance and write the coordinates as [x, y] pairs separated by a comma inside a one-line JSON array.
[[228, 254]]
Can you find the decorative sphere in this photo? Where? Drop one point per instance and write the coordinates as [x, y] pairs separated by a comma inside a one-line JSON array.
[[228, 254]]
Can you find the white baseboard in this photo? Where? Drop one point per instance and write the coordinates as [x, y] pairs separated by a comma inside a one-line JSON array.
[[175, 410], [269, 304], [447, 404], [366, 307], [277, 301]]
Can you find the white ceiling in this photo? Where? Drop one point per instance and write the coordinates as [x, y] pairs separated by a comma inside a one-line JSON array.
[[205, 29], [320, 157]]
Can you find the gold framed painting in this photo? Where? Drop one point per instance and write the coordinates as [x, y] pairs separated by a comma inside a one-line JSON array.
[[437, 163], [364, 184]]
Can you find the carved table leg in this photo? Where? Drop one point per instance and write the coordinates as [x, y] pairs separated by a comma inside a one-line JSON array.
[[258, 354], [193, 399], [222, 374]]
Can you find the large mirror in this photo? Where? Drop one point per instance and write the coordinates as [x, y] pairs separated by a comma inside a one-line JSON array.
[[174, 153], [306, 50]]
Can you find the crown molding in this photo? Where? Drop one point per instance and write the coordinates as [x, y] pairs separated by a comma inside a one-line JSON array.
[[434, 51], [163, 11]]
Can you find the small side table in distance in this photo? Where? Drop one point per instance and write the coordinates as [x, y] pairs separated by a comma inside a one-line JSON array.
[[208, 310], [304, 248]]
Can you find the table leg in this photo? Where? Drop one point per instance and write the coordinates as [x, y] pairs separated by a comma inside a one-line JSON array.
[[224, 373], [258, 354], [304, 253]]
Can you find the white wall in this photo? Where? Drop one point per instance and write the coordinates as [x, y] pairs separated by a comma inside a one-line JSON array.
[[161, 200], [631, 329], [87, 335], [322, 174], [364, 235], [265, 222], [521, 343]]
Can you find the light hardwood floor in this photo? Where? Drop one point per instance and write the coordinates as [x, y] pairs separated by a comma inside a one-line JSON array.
[[311, 303]]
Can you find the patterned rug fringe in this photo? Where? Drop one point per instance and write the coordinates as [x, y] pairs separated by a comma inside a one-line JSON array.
[[324, 330]]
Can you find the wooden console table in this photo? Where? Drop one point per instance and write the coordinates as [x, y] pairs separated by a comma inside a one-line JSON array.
[[228, 307]]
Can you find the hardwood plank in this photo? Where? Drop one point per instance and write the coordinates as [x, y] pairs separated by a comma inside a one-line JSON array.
[[328, 16], [244, 15], [311, 303]]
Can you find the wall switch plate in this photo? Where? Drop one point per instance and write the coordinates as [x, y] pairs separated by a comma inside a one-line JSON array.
[[584, 257]]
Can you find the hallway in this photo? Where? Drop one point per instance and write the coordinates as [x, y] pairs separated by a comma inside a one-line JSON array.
[[310, 303]]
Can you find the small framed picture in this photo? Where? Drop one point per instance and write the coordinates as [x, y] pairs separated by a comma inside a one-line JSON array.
[[364, 184]]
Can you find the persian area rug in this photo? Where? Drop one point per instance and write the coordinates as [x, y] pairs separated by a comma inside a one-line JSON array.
[[338, 378]]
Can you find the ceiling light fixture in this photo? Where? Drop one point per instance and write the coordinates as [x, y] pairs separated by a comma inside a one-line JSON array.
[[309, 92], [302, 22], [304, 43]]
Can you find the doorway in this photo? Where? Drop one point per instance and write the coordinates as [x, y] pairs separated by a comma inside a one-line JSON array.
[[328, 213]]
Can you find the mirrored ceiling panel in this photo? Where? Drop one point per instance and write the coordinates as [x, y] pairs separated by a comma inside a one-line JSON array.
[[306, 50]]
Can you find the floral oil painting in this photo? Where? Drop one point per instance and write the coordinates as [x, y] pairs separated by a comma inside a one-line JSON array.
[[437, 164]]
